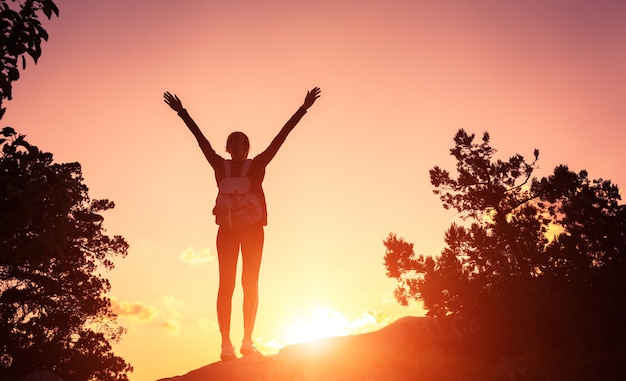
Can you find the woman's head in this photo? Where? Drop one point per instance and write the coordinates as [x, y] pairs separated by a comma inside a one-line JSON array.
[[238, 145]]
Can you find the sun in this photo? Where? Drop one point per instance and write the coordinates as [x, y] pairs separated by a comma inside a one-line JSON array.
[[323, 323]]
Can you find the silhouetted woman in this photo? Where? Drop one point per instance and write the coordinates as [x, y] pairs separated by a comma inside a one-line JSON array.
[[248, 238]]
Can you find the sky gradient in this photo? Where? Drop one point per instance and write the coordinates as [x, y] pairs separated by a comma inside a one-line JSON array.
[[398, 79]]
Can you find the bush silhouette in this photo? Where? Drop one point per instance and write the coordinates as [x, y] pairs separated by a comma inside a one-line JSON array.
[[532, 263]]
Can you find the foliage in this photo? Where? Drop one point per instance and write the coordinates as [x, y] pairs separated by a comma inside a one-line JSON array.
[[54, 315], [22, 33], [532, 263]]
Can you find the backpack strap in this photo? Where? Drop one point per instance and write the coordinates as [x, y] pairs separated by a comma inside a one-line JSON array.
[[226, 168], [246, 168]]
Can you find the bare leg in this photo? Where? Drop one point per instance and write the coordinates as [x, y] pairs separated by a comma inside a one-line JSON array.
[[227, 253], [251, 252]]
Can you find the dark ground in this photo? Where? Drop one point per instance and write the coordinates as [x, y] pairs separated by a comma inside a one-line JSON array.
[[409, 349]]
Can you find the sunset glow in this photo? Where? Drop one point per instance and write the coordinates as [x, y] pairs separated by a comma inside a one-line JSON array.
[[398, 79], [326, 322], [323, 324]]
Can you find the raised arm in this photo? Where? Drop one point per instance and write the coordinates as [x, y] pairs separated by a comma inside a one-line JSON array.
[[311, 97], [176, 104], [277, 142]]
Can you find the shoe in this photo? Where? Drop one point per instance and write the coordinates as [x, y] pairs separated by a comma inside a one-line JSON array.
[[228, 353], [247, 349]]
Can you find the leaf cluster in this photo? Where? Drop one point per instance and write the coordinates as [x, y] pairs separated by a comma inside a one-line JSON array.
[[21, 34]]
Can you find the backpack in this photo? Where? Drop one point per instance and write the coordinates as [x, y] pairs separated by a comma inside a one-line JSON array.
[[235, 206]]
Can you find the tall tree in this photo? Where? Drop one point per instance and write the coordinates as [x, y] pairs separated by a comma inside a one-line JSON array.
[[22, 34], [55, 315], [531, 261]]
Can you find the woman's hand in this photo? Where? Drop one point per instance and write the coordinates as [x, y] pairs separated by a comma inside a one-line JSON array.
[[173, 101], [310, 98]]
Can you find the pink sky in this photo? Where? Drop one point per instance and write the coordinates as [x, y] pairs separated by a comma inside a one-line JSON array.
[[398, 79]]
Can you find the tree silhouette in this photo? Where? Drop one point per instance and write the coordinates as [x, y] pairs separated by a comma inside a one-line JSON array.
[[22, 33], [53, 250], [54, 313], [531, 262]]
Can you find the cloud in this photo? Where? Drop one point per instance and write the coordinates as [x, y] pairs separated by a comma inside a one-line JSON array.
[[268, 347], [171, 301], [138, 311], [371, 320], [195, 257], [171, 326], [141, 313], [208, 325]]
